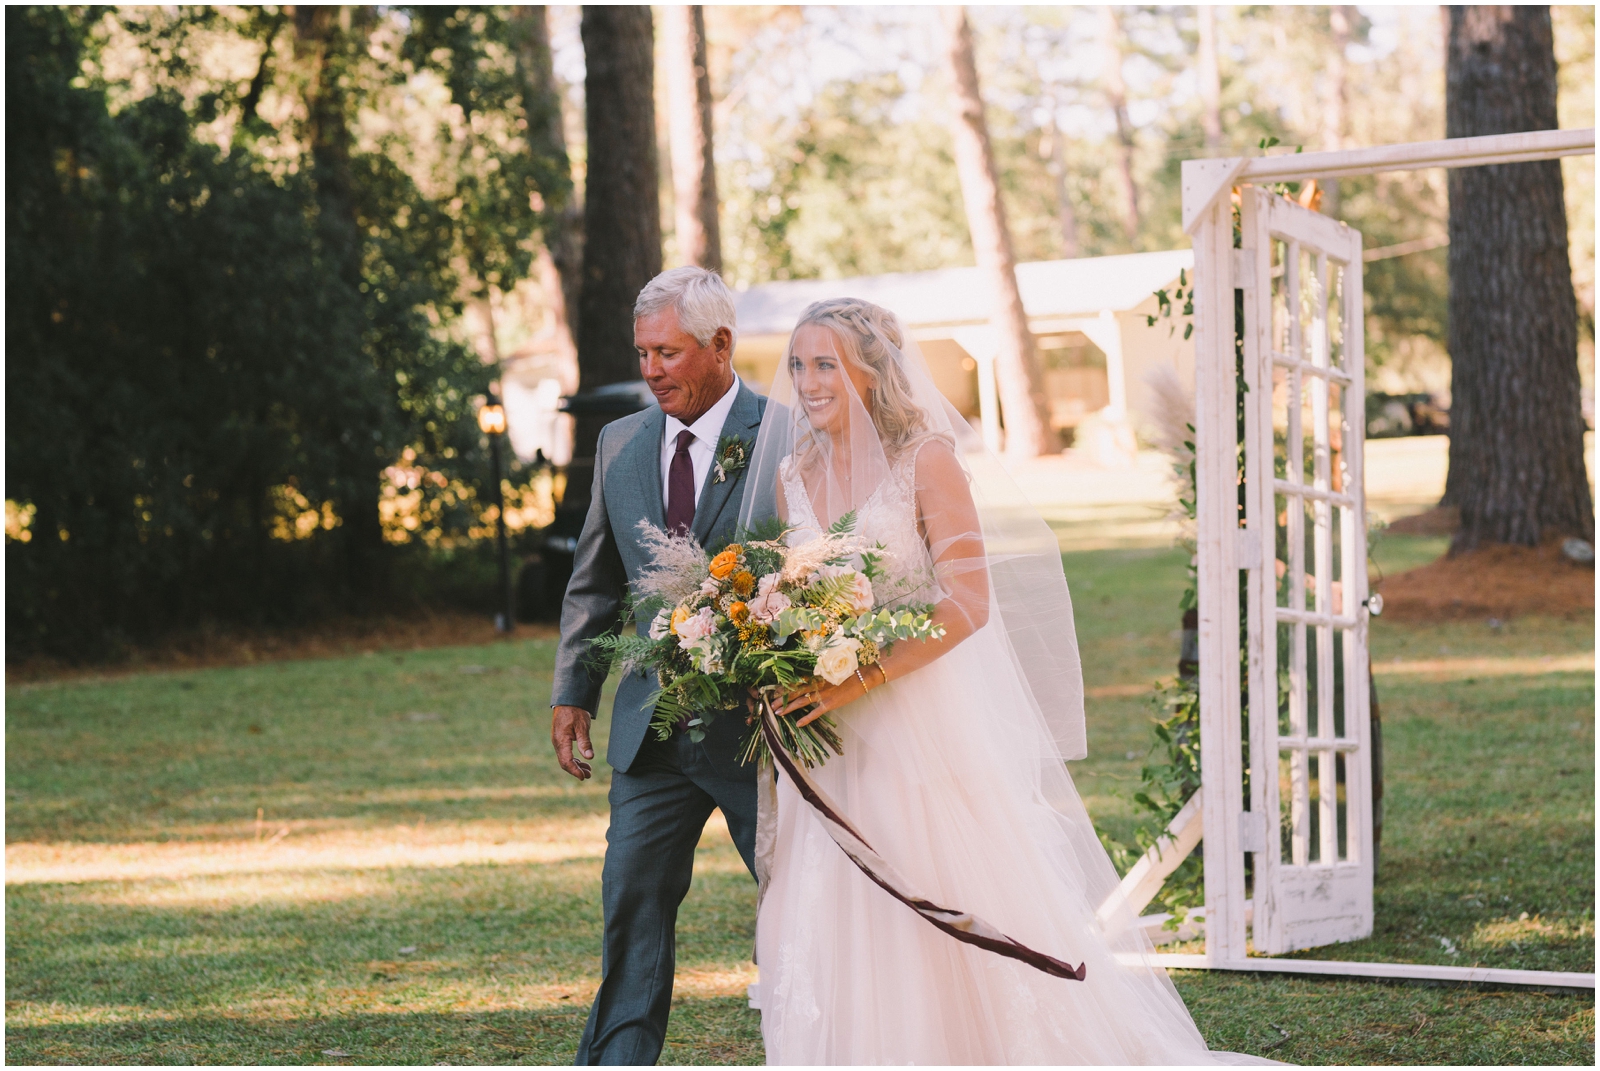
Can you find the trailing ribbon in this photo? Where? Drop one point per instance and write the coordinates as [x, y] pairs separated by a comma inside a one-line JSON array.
[[962, 925]]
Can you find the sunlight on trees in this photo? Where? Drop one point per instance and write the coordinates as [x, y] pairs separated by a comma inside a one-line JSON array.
[[265, 248]]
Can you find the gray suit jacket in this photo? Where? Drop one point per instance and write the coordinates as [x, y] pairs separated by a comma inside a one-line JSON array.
[[627, 489]]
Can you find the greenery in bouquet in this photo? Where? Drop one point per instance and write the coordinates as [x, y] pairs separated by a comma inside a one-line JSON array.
[[760, 618]]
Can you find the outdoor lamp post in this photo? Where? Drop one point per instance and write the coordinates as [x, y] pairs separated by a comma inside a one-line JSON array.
[[492, 421]]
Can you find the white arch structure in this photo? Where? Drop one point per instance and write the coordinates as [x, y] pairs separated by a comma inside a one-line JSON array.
[[1300, 274]]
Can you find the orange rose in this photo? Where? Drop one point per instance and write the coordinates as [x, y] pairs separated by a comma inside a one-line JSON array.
[[743, 583], [725, 563]]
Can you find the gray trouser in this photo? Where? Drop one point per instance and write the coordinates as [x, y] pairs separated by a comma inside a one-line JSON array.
[[658, 809]]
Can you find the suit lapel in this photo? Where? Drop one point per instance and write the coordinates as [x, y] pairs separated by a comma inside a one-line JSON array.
[[640, 462], [744, 418]]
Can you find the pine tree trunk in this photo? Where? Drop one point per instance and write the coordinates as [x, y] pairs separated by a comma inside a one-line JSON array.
[[324, 38], [694, 173], [1516, 424], [559, 265], [1056, 163], [1117, 97], [1023, 402], [1341, 19], [621, 209], [1209, 75]]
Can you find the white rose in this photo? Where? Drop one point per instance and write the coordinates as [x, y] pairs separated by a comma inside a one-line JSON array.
[[766, 608], [661, 627], [697, 627], [838, 660]]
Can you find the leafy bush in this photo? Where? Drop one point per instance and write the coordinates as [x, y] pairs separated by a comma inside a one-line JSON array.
[[211, 360]]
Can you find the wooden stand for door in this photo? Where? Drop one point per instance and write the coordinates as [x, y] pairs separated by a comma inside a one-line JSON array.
[[1313, 858]]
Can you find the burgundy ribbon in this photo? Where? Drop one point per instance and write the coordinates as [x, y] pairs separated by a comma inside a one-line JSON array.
[[962, 925]]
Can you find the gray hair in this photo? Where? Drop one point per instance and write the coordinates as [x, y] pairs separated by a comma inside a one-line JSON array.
[[702, 300]]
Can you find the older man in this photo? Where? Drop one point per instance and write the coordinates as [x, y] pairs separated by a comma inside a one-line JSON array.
[[657, 466]]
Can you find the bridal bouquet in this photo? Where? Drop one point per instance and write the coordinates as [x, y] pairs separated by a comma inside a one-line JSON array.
[[760, 616]]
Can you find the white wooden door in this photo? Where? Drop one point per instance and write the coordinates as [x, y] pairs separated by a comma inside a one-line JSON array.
[[1309, 822]]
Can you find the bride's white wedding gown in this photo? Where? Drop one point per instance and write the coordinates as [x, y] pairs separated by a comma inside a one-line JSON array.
[[928, 775]]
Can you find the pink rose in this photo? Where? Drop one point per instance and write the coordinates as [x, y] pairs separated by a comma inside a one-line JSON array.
[[697, 627], [766, 608], [858, 593]]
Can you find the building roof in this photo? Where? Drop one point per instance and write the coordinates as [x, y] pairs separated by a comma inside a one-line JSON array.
[[1081, 287]]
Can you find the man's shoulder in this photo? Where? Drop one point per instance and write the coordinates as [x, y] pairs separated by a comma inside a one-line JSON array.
[[616, 435], [750, 403]]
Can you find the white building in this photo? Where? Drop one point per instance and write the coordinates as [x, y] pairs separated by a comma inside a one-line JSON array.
[[1089, 318]]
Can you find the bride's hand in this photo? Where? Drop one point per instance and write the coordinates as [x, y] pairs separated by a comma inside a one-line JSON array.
[[821, 697]]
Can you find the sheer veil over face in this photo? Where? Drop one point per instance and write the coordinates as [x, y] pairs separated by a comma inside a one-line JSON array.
[[857, 409]]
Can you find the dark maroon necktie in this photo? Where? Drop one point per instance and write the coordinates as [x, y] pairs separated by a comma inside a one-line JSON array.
[[680, 487]]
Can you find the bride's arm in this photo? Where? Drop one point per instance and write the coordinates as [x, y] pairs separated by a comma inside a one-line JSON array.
[[949, 523], [948, 520]]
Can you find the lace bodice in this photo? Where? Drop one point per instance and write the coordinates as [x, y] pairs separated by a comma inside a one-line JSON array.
[[888, 518]]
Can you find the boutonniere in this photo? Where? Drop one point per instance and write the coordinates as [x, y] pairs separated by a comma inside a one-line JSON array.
[[732, 457]]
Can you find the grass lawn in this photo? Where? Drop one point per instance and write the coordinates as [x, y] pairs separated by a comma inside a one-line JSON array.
[[376, 860]]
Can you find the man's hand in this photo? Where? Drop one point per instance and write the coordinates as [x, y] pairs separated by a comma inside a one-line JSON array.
[[569, 727]]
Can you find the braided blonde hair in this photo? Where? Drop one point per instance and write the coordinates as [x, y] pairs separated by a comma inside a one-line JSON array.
[[872, 339]]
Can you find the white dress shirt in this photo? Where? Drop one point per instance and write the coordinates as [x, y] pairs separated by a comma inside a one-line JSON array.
[[707, 430]]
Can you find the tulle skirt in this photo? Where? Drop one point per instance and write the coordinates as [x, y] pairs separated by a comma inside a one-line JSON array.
[[948, 775]]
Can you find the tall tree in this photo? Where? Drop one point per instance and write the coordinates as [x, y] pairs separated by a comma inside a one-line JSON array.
[[1116, 91], [1053, 148], [326, 40], [622, 210], [1023, 400], [1210, 77], [1341, 20], [558, 264], [694, 173], [1516, 434], [621, 207]]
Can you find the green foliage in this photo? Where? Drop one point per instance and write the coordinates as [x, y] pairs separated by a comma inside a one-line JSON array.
[[494, 181], [1169, 781], [214, 356], [850, 186]]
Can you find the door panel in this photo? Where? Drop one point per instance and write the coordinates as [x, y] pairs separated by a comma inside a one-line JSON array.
[[1307, 622]]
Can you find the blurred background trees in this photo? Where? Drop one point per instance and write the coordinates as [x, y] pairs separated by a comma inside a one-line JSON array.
[[264, 262], [240, 247]]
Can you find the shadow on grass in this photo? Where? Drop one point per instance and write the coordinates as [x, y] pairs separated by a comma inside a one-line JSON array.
[[1328, 1021], [705, 1031], [472, 964]]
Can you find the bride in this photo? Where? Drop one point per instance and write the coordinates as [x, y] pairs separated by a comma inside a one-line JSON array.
[[952, 766]]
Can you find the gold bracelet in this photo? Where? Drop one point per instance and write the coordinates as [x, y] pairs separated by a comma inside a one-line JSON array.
[[863, 681], [882, 671]]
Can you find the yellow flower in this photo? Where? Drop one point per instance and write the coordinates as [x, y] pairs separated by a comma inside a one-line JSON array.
[[679, 616], [726, 562], [743, 583]]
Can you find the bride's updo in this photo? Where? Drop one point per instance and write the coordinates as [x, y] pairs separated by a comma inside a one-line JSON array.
[[871, 338]]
